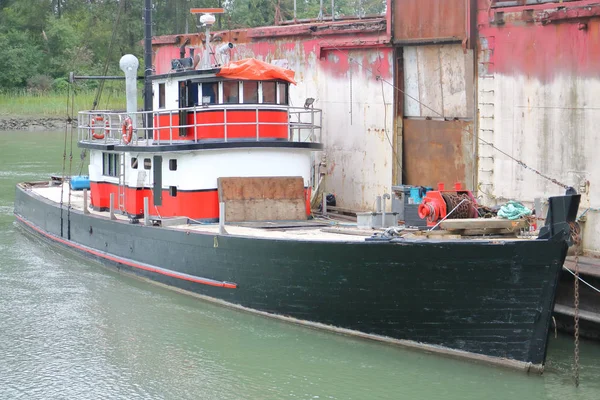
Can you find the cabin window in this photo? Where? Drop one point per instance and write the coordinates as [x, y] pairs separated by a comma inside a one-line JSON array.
[[134, 163], [210, 92], [161, 95], [173, 165], [231, 92], [269, 90], [282, 93], [147, 163], [250, 90], [173, 191], [110, 164]]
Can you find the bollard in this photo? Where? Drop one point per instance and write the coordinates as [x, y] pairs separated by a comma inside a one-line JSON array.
[[112, 206], [222, 230], [85, 202], [146, 215]]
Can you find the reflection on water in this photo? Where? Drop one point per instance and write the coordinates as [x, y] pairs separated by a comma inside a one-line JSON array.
[[73, 329]]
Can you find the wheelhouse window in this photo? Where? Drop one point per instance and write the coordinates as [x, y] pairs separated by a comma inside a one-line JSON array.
[[282, 93], [161, 95], [210, 93], [110, 164], [269, 92], [250, 90], [147, 163], [231, 92], [134, 162]]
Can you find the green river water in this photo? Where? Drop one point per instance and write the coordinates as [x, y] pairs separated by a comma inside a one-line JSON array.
[[72, 329]]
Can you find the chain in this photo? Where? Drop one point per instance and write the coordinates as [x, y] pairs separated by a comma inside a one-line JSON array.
[[461, 202], [576, 237]]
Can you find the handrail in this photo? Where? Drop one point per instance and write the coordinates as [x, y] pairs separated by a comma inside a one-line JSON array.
[[303, 125]]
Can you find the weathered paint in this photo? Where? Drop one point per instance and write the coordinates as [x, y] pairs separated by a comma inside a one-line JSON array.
[[438, 151], [539, 75], [430, 20], [438, 141], [438, 81], [343, 69]]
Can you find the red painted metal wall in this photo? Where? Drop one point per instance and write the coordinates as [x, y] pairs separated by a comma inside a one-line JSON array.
[[541, 40]]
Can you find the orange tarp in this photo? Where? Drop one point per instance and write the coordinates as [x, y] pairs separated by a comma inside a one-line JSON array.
[[256, 70]]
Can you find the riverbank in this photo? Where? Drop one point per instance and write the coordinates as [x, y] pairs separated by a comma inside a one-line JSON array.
[[32, 123]]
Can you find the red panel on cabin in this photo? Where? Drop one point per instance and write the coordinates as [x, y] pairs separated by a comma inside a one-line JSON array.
[[194, 204], [210, 125], [166, 120]]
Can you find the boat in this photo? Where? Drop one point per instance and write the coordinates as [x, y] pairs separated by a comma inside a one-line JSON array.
[[208, 190]]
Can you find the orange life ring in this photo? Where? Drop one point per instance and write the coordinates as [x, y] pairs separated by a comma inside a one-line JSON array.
[[97, 135], [127, 130]]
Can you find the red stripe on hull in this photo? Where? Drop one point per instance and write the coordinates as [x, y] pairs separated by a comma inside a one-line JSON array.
[[128, 262], [247, 129]]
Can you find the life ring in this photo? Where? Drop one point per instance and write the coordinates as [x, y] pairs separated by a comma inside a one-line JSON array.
[[97, 120], [127, 130]]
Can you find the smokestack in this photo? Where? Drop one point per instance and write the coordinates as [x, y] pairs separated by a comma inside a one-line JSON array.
[[129, 65]]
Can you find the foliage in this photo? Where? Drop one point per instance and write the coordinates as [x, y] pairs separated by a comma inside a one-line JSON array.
[[39, 83], [54, 37]]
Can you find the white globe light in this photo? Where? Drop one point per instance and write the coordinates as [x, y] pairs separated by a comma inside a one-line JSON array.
[[207, 19]]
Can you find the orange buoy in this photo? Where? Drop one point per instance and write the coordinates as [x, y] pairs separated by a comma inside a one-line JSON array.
[[127, 130]]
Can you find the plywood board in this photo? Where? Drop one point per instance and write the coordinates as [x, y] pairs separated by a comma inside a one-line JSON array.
[[483, 223], [262, 198]]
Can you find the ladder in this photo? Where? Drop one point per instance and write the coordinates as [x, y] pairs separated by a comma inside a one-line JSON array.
[[122, 182]]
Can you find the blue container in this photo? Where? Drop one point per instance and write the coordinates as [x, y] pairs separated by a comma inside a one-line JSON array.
[[417, 193], [80, 182]]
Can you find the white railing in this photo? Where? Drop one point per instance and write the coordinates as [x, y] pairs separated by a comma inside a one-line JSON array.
[[110, 127]]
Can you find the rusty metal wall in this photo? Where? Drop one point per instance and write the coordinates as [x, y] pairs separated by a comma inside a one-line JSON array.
[[429, 20], [438, 151]]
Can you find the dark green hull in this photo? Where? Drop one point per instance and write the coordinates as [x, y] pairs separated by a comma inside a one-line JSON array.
[[490, 298]]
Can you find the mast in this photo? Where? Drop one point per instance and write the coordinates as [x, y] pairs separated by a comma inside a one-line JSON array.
[[148, 63]]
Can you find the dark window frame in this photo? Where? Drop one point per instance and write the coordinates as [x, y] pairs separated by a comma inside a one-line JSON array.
[[274, 92], [161, 96], [110, 164], [254, 99]]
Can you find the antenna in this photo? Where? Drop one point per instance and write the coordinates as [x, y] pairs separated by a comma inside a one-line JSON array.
[[207, 19]]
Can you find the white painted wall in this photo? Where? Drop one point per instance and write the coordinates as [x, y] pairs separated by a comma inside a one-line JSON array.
[[437, 81], [200, 170], [358, 154], [550, 126]]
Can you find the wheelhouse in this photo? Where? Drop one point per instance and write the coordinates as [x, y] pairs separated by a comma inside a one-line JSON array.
[[203, 126]]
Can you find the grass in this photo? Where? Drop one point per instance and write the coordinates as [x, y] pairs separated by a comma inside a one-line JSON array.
[[23, 103]]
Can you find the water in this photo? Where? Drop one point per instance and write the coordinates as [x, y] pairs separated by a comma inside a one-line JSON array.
[[70, 328]]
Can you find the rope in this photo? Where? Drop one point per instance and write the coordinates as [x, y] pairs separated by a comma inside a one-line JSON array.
[[582, 280], [62, 185], [110, 46], [70, 172], [377, 76]]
